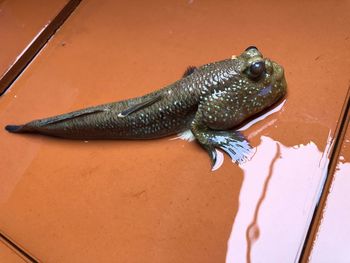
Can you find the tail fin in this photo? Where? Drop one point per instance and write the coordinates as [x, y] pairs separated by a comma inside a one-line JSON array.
[[18, 128], [39, 126]]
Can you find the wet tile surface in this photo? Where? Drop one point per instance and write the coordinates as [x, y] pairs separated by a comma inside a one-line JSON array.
[[21, 22], [156, 201], [9, 256], [333, 237]]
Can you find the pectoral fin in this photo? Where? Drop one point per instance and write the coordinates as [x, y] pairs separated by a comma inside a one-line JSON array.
[[233, 143], [145, 103]]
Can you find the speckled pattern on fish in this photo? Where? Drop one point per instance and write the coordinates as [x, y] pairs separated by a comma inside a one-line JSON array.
[[211, 100]]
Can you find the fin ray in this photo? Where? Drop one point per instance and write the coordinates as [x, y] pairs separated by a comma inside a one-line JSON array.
[[139, 106], [69, 116], [189, 71]]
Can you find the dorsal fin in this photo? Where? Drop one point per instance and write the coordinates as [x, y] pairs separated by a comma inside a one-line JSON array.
[[145, 103], [189, 71], [69, 116]]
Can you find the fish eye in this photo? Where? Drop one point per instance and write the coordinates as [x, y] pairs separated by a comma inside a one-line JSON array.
[[256, 69], [251, 47]]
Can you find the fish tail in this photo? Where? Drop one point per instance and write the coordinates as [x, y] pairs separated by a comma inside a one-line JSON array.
[[50, 125], [19, 128]]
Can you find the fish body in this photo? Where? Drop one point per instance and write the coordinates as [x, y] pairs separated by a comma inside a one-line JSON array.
[[210, 100]]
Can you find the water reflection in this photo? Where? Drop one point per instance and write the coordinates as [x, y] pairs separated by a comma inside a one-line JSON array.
[[278, 195], [331, 244], [263, 116], [253, 231]]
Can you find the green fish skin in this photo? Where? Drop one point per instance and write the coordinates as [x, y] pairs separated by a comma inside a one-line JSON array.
[[210, 100]]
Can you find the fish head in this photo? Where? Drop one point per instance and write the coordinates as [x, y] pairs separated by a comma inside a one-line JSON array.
[[260, 80]]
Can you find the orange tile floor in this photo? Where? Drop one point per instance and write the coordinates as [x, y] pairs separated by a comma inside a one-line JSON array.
[[158, 201], [23, 28], [9, 256], [333, 237]]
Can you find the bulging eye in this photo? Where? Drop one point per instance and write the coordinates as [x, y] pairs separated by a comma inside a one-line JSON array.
[[251, 47], [256, 69]]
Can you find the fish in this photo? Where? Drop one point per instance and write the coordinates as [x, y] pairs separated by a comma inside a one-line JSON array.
[[211, 101]]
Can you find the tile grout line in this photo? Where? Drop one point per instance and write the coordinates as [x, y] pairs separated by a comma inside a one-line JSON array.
[[39, 41], [340, 131], [17, 249], [15, 71]]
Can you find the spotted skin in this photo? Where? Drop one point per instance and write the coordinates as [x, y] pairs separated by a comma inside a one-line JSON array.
[[211, 100]]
